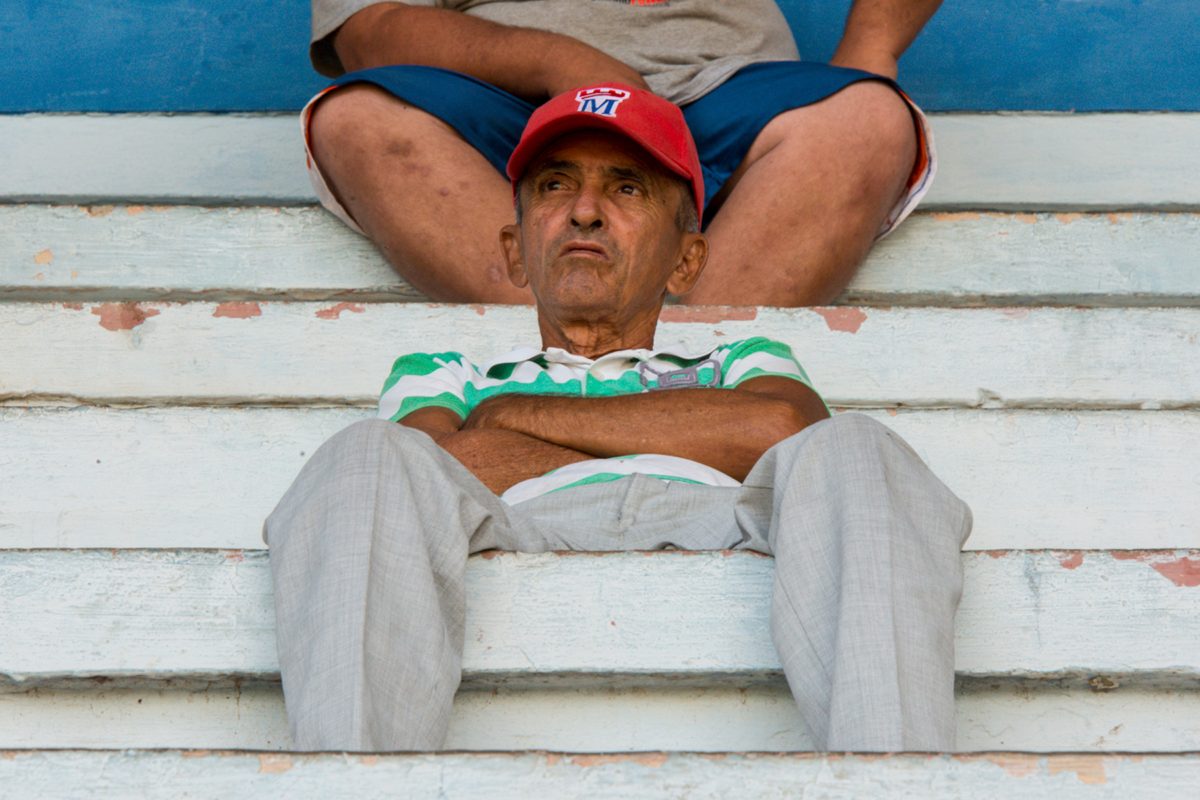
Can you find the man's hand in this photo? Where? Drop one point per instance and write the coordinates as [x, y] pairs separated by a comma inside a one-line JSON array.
[[728, 430], [879, 31], [532, 64]]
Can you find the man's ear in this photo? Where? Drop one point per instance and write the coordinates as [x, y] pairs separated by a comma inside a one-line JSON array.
[[691, 264], [510, 243]]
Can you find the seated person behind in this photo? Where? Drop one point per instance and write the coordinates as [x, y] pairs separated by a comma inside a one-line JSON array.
[[600, 442]]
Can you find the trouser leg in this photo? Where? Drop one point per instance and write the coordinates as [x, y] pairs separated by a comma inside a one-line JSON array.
[[368, 555], [867, 580]]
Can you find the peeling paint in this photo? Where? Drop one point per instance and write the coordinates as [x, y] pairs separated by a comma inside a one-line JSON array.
[[1028, 219], [195, 753], [479, 308], [1088, 769], [1067, 219], [1069, 559], [1182, 571], [956, 216], [122, 316], [709, 314], [995, 553], [844, 320], [1017, 765], [273, 763], [73, 306], [368, 761], [488, 555], [133, 211], [892, 412], [335, 311], [98, 211], [235, 556], [1015, 313], [646, 759], [552, 759], [236, 310], [43, 257]]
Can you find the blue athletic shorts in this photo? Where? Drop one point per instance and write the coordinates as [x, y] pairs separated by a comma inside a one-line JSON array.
[[724, 122]]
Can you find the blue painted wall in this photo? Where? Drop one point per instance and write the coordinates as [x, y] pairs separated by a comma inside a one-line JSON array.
[[251, 55]]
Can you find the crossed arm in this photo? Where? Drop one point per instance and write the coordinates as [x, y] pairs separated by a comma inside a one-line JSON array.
[[537, 64], [512, 438]]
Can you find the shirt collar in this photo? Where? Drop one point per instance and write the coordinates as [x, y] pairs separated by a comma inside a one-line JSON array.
[[556, 355]]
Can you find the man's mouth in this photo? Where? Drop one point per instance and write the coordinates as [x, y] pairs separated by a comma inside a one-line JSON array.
[[584, 247]]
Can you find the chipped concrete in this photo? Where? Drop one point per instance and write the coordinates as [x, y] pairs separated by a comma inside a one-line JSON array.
[[335, 311], [843, 319], [122, 316]]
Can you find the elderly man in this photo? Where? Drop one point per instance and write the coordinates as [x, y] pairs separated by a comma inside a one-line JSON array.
[[599, 441], [805, 164]]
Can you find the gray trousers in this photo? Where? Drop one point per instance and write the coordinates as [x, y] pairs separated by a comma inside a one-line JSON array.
[[369, 549]]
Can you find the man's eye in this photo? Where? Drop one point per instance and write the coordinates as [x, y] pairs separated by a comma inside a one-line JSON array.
[[552, 185], [629, 188]]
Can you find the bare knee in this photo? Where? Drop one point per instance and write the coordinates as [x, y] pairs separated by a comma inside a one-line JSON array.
[[884, 122], [364, 119]]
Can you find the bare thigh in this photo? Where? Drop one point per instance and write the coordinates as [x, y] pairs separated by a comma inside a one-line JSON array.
[[800, 213], [430, 201]]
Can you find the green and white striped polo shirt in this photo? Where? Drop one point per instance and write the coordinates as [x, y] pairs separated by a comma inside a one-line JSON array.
[[450, 380]]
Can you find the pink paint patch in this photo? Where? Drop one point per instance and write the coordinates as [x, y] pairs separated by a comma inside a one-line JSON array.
[[1067, 219], [133, 211], [235, 556], [238, 310], [843, 320], [43, 257], [272, 763], [1181, 571], [956, 216], [73, 306], [335, 311], [645, 759], [1015, 313], [1028, 219], [479, 309], [708, 314], [1070, 559], [122, 316]]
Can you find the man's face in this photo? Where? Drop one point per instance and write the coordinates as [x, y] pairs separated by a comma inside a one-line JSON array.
[[598, 238]]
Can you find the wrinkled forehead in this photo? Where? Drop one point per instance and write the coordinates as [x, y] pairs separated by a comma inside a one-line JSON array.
[[597, 150]]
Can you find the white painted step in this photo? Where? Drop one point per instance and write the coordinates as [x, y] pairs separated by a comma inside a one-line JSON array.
[[1041, 716], [103, 477], [341, 352], [583, 620], [127, 253], [1023, 161], [637, 776]]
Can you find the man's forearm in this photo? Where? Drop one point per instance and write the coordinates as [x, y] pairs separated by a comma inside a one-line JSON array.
[[501, 459], [529, 63], [725, 429], [879, 31]]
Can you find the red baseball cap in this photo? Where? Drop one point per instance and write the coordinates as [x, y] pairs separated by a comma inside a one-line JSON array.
[[657, 125]]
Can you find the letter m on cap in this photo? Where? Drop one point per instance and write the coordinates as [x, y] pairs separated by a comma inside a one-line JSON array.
[[602, 100]]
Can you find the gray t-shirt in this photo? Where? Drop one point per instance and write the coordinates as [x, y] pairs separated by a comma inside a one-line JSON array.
[[683, 48]]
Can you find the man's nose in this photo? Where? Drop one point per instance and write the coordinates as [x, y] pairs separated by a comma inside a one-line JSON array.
[[587, 212]]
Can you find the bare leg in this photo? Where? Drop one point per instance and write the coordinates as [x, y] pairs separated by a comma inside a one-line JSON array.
[[801, 212], [431, 203]]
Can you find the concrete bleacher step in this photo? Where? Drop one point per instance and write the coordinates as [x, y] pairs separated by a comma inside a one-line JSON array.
[[991, 776], [552, 635], [1022, 161], [1060, 479], [200, 352], [135, 252], [648, 775]]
